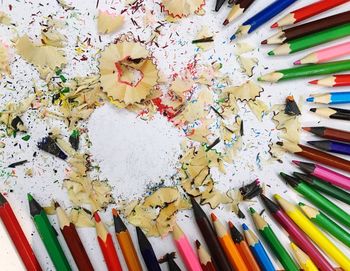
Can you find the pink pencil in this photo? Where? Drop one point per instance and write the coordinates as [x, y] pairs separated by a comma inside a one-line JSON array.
[[323, 173], [326, 54], [187, 254]]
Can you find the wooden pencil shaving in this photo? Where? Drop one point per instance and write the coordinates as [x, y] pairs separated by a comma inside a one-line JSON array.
[[243, 47], [259, 108], [4, 61], [4, 18], [182, 8], [108, 23], [245, 92], [248, 64], [81, 218], [203, 35]]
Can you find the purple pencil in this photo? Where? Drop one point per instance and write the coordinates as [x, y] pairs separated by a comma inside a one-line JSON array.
[[324, 173], [296, 234]]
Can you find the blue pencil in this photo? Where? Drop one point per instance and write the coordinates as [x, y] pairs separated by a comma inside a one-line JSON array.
[[262, 17], [257, 249], [331, 146], [331, 98]]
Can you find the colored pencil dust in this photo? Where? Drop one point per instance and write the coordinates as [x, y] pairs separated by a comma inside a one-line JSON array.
[[329, 133], [125, 242], [243, 248], [314, 233], [332, 113], [324, 174], [297, 235], [73, 241], [17, 236], [147, 251], [218, 256], [106, 245], [204, 258], [307, 12], [303, 259], [312, 40], [326, 223], [317, 199], [273, 242], [306, 71], [331, 146], [48, 235], [324, 186], [185, 249], [338, 80], [228, 245], [237, 9], [330, 98], [308, 28], [257, 249]]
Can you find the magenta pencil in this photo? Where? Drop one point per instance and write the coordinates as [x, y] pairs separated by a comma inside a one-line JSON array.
[[325, 174], [297, 235], [325, 54], [187, 254]]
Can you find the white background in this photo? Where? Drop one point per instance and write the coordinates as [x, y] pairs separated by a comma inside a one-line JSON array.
[[47, 184]]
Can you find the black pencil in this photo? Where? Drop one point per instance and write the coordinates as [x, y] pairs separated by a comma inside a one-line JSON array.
[[219, 258], [147, 251], [219, 4], [169, 258], [332, 113]]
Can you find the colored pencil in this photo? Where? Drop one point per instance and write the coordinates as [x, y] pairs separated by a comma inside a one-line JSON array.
[[243, 248], [219, 259], [316, 155], [326, 223], [228, 245], [147, 251], [331, 146], [308, 28], [306, 12], [238, 9], [262, 17], [17, 235], [332, 113], [185, 249], [273, 242], [330, 98], [324, 174], [325, 54], [330, 133], [219, 4], [170, 259], [204, 258], [338, 80], [296, 234], [303, 259], [48, 235], [106, 245], [314, 233], [325, 187], [306, 71], [312, 40], [72, 239], [258, 250], [125, 243], [317, 199]]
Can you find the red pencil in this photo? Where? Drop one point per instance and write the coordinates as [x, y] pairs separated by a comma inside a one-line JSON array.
[[106, 244], [338, 80], [307, 12], [204, 258], [17, 235]]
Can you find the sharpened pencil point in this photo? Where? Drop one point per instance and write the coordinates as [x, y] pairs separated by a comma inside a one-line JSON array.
[[198, 244], [298, 62], [252, 210], [57, 205], [233, 37], [115, 212], [245, 227], [271, 53], [310, 99], [264, 42], [296, 162], [97, 217], [276, 196], [226, 22], [313, 82], [230, 224], [301, 204], [313, 110], [213, 217], [30, 197], [308, 129], [275, 25]]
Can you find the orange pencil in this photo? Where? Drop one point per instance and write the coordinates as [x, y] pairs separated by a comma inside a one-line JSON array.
[[106, 244], [126, 244], [228, 246], [243, 248]]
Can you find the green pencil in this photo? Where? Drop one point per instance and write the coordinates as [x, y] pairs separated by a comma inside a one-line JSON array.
[[326, 223], [324, 187], [317, 199], [48, 235], [273, 242], [312, 40], [307, 71]]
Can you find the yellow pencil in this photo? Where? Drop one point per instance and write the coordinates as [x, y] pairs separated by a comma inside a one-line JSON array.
[[303, 260], [314, 233]]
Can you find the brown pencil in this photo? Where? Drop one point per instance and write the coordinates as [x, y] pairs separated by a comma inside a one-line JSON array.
[[204, 258], [330, 133], [73, 241], [219, 258], [316, 155], [126, 244]]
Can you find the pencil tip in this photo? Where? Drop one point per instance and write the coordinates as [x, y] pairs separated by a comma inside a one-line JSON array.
[[296, 162], [308, 129], [56, 204], [30, 197], [97, 217], [230, 224], [271, 53], [298, 62], [226, 22], [313, 110], [233, 37], [245, 227], [314, 82], [301, 204], [213, 217], [310, 99], [275, 25], [198, 244], [277, 196], [264, 42], [252, 210], [115, 212]]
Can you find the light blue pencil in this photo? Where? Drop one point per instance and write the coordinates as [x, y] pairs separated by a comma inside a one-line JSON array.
[[330, 98]]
